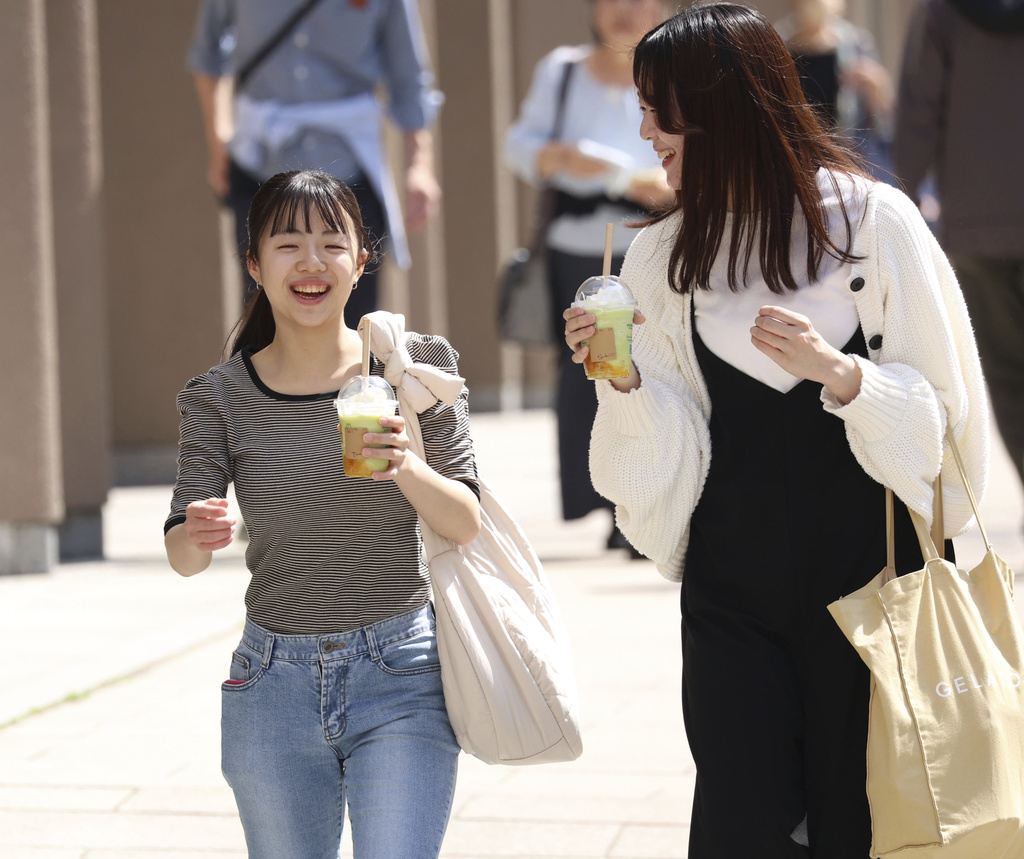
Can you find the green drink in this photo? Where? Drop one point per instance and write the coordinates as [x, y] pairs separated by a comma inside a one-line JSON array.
[[361, 404], [611, 346]]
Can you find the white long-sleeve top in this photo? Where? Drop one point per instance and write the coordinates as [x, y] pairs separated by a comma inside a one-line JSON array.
[[601, 118], [651, 448]]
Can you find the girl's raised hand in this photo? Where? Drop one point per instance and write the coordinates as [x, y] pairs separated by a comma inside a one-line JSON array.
[[396, 448], [209, 525], [790, 340]]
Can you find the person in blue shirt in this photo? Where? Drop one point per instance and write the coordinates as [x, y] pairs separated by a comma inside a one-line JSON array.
[[311, 103]]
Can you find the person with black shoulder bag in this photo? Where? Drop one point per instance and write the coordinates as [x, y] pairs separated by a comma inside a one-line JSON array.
[[575, 136], [305, 98]]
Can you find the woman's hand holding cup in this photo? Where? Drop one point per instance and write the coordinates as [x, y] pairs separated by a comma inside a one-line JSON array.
[[579, 327]]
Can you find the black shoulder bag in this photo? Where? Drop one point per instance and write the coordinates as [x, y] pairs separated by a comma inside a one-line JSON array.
[[525, 302]]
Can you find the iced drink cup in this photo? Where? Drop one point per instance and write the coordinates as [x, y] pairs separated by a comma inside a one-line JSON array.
[[361, 404], [612, 305]]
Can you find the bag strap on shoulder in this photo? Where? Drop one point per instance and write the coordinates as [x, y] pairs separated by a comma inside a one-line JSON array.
[[546, 201], [268, 47]]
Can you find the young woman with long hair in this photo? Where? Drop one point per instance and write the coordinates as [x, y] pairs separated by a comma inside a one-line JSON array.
[[803, 343], [334, 693]]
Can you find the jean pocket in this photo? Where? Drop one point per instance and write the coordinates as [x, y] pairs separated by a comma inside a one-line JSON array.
[[241, 672], [415, 655]]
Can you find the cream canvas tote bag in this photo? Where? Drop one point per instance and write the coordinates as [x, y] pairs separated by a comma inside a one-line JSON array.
[[506, 664], [945, 753]]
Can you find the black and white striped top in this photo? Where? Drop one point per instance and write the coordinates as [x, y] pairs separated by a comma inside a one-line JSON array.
[[327, 553]]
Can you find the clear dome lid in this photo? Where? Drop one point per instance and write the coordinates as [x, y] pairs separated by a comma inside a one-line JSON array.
[[365, 393], [610, 291]]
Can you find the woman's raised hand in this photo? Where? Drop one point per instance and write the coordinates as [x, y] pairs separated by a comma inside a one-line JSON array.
[[579, 326], [209, 525], [790, 340], [395, 450], [559, 157]]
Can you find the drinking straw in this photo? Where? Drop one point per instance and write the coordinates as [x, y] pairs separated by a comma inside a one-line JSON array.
[[607, 268], [364, 334]]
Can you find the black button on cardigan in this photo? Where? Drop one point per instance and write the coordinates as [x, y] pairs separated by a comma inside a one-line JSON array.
[[875, 342], [857, 284]]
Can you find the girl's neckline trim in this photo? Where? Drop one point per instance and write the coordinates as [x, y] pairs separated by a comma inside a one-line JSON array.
[[250, 368]]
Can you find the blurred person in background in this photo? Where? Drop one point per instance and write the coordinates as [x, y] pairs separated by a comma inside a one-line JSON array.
[[310, 102], [960, 116], [602, 173], [842, 77]]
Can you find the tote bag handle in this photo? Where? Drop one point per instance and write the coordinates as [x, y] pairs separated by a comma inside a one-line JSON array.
[[930, 541]]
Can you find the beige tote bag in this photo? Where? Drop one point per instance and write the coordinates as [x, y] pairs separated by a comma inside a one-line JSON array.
[[506, 665], [945, 752]]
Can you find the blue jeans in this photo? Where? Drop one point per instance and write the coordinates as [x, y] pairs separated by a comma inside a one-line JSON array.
[[312, 722]]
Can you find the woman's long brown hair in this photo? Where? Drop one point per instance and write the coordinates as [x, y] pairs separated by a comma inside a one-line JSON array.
[[720, 75]]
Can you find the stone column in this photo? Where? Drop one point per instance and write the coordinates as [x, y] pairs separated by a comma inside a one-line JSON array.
[[427, 283], [77, 168], [474, 70], [538, 27], [162, 231], [31, 493]]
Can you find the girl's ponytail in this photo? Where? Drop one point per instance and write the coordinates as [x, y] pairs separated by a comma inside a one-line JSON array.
[[255, 329]]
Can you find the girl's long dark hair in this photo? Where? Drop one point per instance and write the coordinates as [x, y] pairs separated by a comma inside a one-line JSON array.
[[720, 75], [280, 203]]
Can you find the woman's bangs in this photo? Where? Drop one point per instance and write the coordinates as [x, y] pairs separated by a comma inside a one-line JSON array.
[[657, 76], [298, 202]]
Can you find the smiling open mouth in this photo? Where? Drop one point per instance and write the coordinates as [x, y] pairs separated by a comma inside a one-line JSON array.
[[310, 290]]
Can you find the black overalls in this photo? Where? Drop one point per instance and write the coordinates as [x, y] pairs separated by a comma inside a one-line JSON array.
[[774, 697]]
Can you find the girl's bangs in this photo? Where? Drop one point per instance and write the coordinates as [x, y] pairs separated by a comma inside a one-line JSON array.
[[299, 200]]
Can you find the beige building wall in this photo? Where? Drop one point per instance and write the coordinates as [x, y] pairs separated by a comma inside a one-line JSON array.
[[474, 71], [31, 486], [164, 276], [77, 168]]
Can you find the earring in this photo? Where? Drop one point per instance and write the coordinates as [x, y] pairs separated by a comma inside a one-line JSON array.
[[355, 284]]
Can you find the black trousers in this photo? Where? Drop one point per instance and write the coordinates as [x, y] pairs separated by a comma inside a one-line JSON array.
[[994, 290], [575, 400], [242, 187]]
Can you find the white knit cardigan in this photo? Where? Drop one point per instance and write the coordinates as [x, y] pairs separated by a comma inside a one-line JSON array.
[[650, 449]]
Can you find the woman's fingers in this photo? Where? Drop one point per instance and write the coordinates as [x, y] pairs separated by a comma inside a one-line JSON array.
[[394, 446], [209, 524], [397, 440], [779, 328], [579, 325]]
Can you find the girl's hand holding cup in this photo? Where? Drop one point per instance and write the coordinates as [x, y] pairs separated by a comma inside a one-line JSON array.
[[392, 446]]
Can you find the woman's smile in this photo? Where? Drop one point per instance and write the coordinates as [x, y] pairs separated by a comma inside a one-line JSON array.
[[310, 290]]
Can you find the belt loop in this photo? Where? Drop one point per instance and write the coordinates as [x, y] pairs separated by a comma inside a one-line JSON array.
[[268, 649], [371, 642]]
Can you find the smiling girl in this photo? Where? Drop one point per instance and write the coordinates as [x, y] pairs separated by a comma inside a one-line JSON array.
[[334, 694]]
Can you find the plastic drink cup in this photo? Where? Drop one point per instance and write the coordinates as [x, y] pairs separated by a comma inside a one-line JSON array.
[[611, 346], [361, 404]]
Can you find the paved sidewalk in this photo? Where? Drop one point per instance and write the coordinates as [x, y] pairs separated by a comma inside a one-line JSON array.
[[110, 676]]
